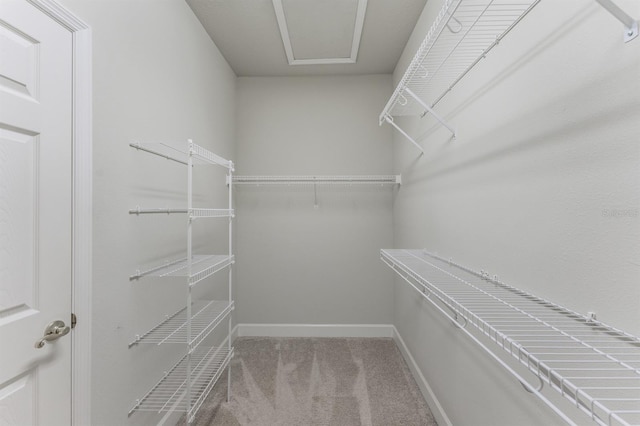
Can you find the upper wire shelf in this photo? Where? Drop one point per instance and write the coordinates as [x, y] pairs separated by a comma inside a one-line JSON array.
[[170, 393], [312, 180], [202, 266], [461, 35], [180, 152], [193, 213], [595, 366], [206, 316]]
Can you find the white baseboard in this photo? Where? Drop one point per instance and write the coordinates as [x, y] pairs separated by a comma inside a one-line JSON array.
[[234, 333], [314, 330], [432, 401]]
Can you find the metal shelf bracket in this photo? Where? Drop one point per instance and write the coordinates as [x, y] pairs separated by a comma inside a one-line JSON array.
[[431, 111], [389, 119], [630, 24]]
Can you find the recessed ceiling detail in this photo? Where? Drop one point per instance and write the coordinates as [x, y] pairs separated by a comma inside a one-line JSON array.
[[320, 32], [247, 34]]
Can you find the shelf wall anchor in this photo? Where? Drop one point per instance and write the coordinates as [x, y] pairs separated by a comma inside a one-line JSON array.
[[315, 195], [630, 24]]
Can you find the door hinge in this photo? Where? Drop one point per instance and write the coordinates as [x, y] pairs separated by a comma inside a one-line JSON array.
[[74, 320]]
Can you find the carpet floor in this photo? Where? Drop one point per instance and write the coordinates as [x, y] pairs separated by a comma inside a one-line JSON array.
[[316, 381]]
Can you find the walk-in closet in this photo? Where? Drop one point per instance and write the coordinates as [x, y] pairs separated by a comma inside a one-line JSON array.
[[319, 212]]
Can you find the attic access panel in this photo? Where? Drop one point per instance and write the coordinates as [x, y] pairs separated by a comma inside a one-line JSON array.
[[320, 32]]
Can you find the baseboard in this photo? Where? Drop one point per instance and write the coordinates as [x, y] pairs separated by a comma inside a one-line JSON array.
[[171, 418], [432, 401], [234, 333], [314, 330]]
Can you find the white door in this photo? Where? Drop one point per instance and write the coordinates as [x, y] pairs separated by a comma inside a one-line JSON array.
[[35, 215]]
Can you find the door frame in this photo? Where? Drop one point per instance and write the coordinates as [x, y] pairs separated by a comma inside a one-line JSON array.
[[82, 207]]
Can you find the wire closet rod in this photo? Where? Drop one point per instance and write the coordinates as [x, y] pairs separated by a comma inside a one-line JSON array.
[[332, 180], [138, 210]]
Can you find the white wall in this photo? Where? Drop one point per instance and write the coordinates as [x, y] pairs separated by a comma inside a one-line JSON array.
[[541, 187], [297, 264], [156, 76]]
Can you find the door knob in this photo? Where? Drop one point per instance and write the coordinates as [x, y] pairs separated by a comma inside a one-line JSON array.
[[54, 331]]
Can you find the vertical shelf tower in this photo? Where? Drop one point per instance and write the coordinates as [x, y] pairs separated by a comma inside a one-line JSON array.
[[185, 385]]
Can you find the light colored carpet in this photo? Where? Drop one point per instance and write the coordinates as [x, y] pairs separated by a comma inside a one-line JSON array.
[[316, 381]]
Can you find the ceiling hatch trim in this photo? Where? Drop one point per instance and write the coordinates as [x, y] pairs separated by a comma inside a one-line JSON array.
[[286, 40]]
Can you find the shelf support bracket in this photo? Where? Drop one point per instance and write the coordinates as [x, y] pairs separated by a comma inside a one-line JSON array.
[[389, 120], [431, 111], [315, 194], [630, 24]]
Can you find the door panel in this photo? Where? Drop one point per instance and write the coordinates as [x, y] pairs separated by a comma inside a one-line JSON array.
[[20, 74], [17, 401], [35, 214], [17, 222]]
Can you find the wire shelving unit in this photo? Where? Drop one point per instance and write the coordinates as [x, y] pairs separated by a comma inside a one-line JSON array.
[[185, 386], [462, 34], [594, 366]]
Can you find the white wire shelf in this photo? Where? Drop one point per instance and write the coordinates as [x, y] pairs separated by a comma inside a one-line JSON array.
[[462, 34], [180, 152], [192, 213], [315, 180], [595, 366], [202, 266], [170, 393], [206, 316]]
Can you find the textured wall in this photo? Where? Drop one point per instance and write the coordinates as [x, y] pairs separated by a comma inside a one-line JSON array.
[[297, 264], [157, 77], [541, 187]]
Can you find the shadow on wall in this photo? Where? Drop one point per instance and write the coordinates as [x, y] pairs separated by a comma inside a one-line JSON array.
[[563, 128]]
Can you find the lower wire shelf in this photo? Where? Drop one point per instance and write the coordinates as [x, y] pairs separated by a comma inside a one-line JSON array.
[[594, 366], [193, 213], [170, 393], [206, 316]]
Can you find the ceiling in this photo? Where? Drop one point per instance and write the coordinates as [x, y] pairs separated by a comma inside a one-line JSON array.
[[321, 32]]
